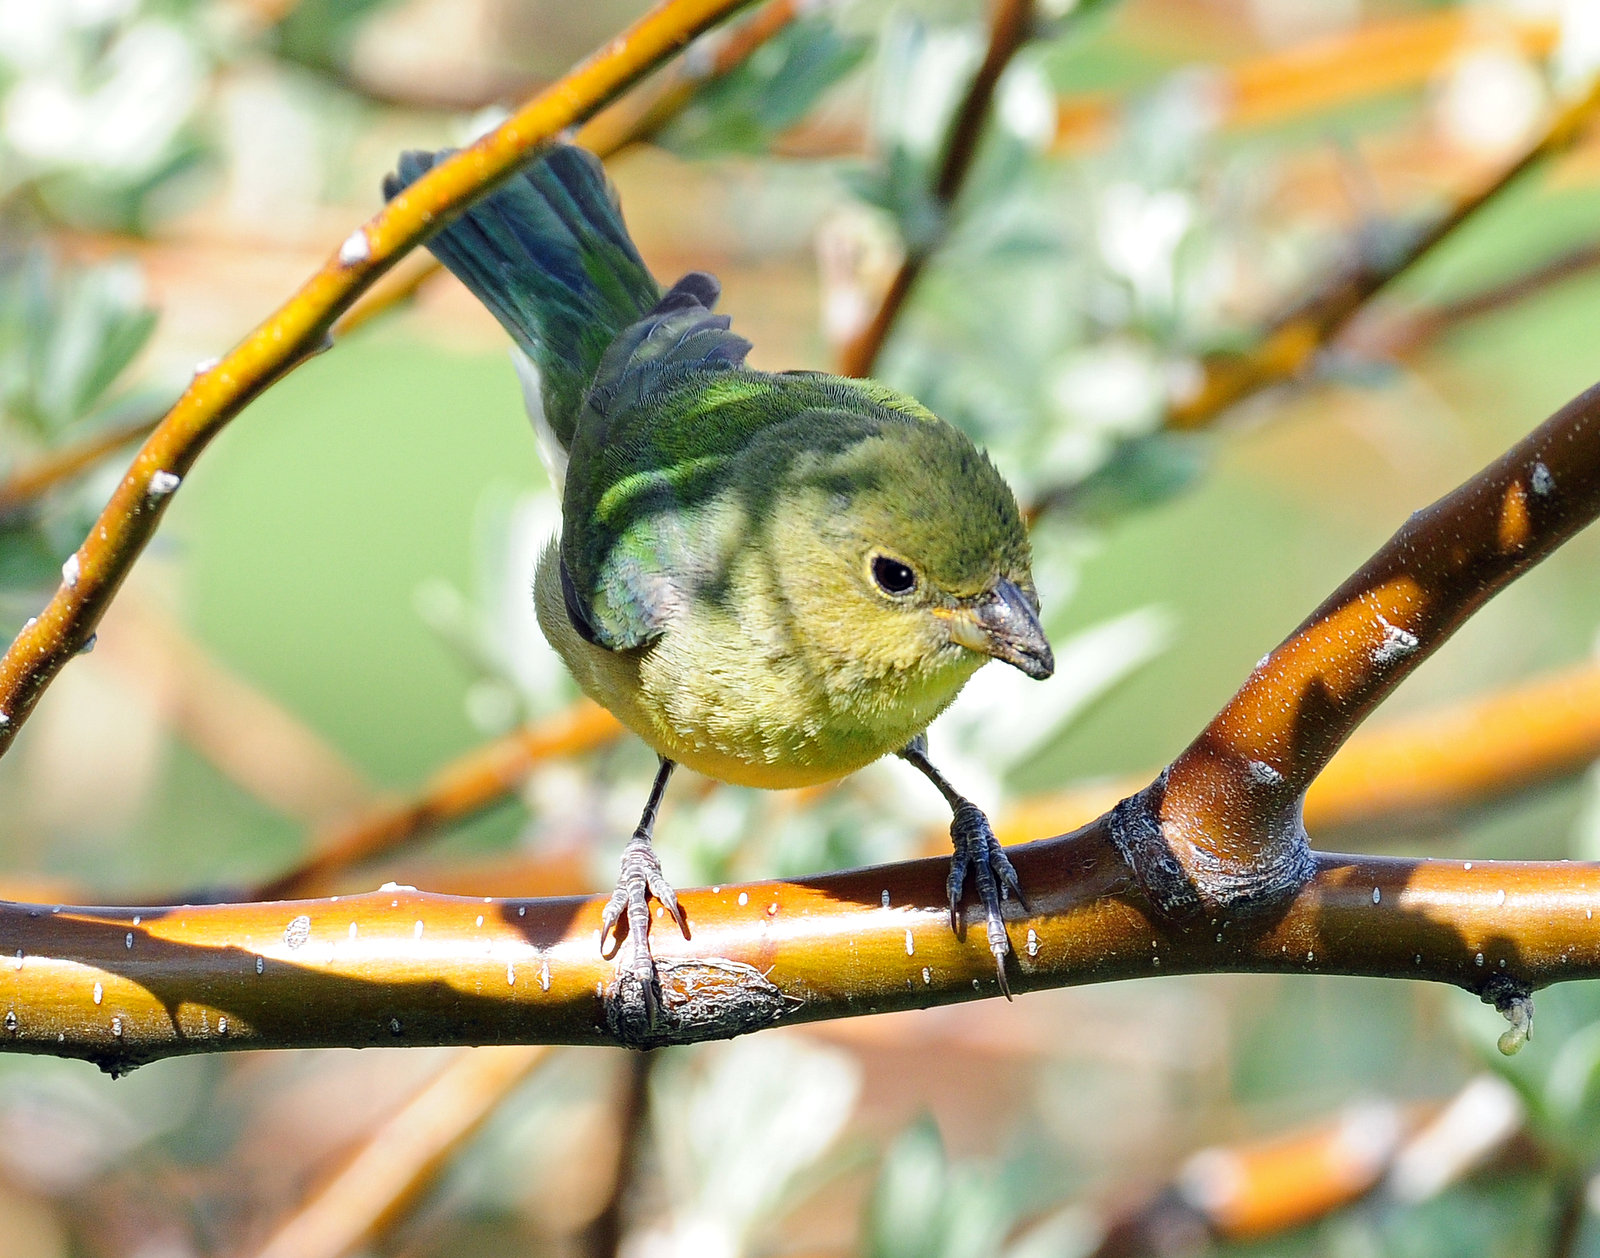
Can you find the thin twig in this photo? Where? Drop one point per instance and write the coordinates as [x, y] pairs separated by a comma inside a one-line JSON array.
[[1396, 335], [615, 129], [1289, 345], [33, 480], [402, 1157], [604, 1235], [1247, 1192], [246, 734], [1011, 25], [466, 786], [299, 329]]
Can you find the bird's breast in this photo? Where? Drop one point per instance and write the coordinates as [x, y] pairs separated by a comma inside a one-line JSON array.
[[734, 696]]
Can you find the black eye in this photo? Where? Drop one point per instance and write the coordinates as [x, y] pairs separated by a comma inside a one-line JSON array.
[[892, 576]]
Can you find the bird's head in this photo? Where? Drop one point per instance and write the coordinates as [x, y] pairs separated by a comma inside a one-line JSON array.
[[909, 558]]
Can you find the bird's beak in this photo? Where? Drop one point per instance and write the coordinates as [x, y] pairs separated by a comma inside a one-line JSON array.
[[1004, 625]]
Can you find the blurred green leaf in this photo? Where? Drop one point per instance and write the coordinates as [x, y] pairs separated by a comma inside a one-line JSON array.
[[772, 90], [65, 337], [924, 1207], [319, 32]]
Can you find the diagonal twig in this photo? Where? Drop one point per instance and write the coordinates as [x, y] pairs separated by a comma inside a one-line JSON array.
[[32, 480], [299, 328], [401, 1158], [1290, 343], [463, 788], [1011, 25]]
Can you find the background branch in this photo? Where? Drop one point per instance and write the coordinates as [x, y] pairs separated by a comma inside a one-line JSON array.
[[463, 788], [35, 479], [1424, 766], [1290, 343], [401, 1158], [1011, 25]]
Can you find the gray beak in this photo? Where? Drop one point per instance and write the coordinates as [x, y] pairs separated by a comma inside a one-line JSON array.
[[1005, 626]]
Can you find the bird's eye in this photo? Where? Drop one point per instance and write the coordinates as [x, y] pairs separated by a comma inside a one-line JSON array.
[[892, 576]]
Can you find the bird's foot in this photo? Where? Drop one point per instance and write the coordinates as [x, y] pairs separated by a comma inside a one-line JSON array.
[[978, 850], [640, 877]]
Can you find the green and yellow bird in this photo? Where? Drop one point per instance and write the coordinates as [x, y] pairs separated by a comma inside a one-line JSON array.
[[772, 578]]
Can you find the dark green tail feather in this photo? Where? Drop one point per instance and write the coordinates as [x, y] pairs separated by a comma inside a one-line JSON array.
[[548, 254]]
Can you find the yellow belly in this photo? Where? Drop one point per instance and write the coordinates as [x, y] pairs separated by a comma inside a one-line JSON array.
[[708, 697]]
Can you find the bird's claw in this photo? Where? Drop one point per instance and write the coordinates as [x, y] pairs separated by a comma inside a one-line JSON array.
[[639, 878], [995, 877]]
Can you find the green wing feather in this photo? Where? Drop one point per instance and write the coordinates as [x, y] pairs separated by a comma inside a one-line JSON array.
[[549, 255]]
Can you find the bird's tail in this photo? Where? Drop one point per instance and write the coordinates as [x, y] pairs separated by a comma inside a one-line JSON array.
[[548, 254]]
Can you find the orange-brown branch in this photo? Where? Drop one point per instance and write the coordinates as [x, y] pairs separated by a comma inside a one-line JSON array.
[[1289, 345], [1266, 1187], [299, 329], [1377, 57], [1223, 824], [463, 788], [399, 966]]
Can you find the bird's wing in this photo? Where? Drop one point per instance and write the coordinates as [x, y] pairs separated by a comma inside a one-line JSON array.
[[669, 411]]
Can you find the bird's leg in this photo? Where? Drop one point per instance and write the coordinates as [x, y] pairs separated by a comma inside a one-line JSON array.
[[641, 877], [977, 849]]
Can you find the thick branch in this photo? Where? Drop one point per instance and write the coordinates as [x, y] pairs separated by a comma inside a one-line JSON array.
[[1223, 825], [299, 328], [405, 967], [1419, 767]]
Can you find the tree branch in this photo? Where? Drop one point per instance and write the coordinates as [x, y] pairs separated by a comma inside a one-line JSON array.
[[400, 966], [1380, 56], [1247, 1192], [1222, 827], [1291, 342], [299, 329], [1404, 332], [463, 788], [401, 1158], [1424, 766], [1011, 25]]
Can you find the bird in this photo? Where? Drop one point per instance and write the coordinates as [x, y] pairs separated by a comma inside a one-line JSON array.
[[772, 578]]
